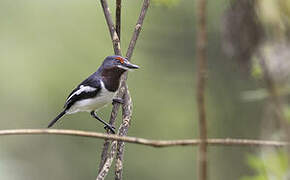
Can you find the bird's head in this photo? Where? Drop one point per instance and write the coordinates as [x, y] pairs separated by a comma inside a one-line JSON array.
[[118, 62]]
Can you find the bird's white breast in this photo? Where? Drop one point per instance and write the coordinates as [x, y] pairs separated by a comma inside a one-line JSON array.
[[103, 97]]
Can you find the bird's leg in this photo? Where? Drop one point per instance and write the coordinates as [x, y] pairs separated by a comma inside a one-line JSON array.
[[118, 100], [107, 126]]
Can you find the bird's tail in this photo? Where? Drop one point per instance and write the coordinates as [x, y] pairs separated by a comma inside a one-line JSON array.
[[56, 119]]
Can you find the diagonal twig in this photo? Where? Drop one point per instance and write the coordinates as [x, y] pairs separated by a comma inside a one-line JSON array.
[[118, 17], [110, 23], [107, 164], [123, 131], [137, 29]]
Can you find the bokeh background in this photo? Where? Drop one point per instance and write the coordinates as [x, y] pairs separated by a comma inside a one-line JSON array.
[[48, 47]]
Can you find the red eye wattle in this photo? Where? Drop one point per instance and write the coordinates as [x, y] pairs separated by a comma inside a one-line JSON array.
[[120, 59]]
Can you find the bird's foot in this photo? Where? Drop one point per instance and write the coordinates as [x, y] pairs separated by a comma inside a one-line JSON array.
[[110, 128], [118, 100]]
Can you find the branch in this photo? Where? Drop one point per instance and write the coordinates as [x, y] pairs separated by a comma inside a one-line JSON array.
[[119, 145], [146, 142], [123, 88], [113, 33], [127, 106], [137, 29], [115, 36], [201, 78], [107, 164], [118, 17], [123, 131], [113, 117]]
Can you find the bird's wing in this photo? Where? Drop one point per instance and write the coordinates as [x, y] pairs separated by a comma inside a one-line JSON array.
[[87, 89]]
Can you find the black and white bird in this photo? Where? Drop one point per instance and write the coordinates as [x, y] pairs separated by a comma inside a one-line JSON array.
[[97, 90]]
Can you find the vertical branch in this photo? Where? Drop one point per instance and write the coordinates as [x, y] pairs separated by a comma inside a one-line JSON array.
[[107, 158], [201, 78]]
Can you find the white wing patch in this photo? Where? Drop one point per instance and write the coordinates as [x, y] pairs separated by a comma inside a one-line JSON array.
[[82, 89], [104, 97]]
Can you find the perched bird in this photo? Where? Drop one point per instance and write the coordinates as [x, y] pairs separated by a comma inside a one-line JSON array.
[[97, 90]]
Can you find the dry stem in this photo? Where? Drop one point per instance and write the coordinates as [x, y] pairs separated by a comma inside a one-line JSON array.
[[201, 78], [146, 142]]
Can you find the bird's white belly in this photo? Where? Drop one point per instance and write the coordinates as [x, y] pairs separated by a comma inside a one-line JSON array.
[[91, 104]]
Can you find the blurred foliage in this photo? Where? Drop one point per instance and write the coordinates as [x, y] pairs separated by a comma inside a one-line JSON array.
[[262, 94], [269, 166], [256, 70], [242, 33], [47, 47], [287, 110], [167, 3], [275, 15]]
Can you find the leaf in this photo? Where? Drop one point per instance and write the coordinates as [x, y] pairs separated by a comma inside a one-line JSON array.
[[271, 165]]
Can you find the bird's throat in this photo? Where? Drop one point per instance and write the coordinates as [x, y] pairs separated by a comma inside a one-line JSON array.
[[111, 78]]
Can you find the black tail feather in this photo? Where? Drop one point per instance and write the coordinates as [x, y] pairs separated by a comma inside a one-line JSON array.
[[56, 119]]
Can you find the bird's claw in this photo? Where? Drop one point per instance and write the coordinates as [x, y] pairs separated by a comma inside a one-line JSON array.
[[110, 128], [118, 100]]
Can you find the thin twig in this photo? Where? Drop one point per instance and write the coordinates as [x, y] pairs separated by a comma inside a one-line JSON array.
[[115, 147], [201, 78], [146, 142], [110, 23], [109, 160], [118, 17], [118, 146], [104, 154], [113, 117], [123, 131], [137, 29]]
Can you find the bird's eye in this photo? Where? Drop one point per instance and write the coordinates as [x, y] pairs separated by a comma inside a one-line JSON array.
[[120, 59]]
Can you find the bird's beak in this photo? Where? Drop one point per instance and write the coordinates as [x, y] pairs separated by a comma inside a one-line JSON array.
[[129, 65]]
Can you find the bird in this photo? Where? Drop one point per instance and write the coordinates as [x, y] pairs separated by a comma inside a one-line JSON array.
[[98, 90]]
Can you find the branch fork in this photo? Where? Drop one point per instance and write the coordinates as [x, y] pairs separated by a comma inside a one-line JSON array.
[[123, 92]]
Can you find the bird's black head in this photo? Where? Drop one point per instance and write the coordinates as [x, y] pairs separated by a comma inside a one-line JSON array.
[[118, 62], [112, 69]]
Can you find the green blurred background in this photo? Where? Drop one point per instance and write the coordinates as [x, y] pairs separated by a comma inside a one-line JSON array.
[[48, 47]]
